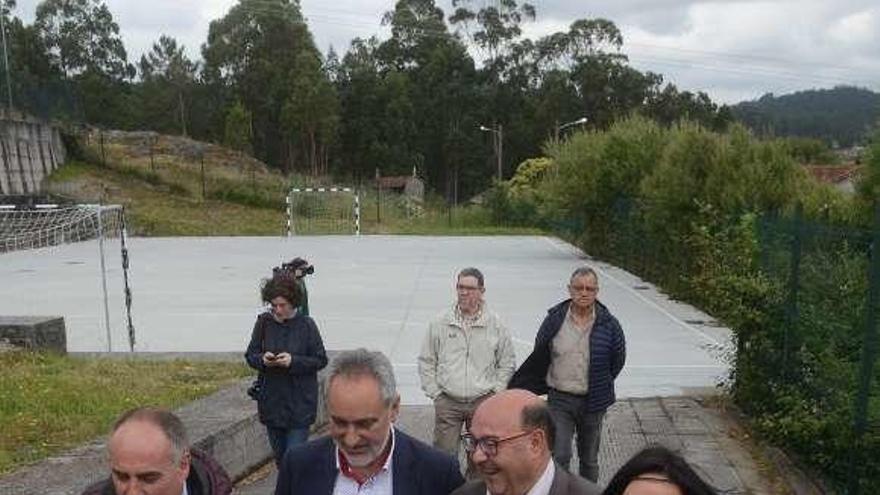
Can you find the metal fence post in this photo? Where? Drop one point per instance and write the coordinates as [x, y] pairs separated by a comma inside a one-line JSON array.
[[869, 356], [202, 173], [378, 197], [99, 211], [103, 153]]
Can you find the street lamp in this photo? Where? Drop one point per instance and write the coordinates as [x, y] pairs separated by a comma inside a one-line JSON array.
[[580, 121], [498, 143]]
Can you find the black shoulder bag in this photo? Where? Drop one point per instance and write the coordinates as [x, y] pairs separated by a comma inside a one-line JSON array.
[[257, 386]]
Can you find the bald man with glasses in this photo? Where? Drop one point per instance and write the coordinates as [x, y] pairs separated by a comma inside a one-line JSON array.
[[509, 442]]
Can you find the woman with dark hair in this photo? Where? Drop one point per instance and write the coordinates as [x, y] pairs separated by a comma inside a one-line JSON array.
[[657, 470], [287, 350]]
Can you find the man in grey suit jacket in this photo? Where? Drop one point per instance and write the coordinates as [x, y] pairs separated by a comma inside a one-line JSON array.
[[509, 442]]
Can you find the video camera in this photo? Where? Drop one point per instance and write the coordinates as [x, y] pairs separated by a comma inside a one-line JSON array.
[[290, 268]]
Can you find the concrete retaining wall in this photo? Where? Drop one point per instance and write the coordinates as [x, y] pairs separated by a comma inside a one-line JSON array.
[[34, 332], [30, 149]]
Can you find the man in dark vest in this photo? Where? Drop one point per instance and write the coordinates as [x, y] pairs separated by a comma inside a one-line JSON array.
[[579, 351]]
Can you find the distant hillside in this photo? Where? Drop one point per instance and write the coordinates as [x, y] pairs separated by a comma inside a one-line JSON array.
[[843, 115]]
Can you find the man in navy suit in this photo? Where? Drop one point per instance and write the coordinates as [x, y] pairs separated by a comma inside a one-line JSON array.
[[364, 453]]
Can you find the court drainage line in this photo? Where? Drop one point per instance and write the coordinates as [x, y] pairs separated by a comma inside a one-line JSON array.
[[708, 338]]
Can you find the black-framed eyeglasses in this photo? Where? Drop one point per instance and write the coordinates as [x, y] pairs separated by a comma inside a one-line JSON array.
[[489, 445]]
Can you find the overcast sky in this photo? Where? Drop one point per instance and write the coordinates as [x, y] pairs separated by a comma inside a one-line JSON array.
[[733, 50]]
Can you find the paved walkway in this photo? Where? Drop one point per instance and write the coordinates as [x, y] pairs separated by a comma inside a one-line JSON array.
[[700, 433]]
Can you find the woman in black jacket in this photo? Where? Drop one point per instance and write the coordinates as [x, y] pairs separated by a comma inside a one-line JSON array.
[[287, 350]]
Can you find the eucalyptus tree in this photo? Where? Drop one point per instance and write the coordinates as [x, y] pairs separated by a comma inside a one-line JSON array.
[[36, 83], [167, 77], [82, 40], [311, 112], [81, 36], [442, 88], [254, 54]]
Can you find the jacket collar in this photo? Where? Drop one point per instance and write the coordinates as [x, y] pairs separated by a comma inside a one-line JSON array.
[[560, 310], [451, 318]]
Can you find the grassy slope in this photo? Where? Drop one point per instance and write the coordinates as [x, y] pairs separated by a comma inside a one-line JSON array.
[[51, 403], [242, 196]]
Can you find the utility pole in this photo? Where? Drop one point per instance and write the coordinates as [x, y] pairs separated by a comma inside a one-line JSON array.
[[6, 57], [500, 151], [498, 145]]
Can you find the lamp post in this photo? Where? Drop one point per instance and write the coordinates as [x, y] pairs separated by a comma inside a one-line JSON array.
[[498, 143], [559, 128]]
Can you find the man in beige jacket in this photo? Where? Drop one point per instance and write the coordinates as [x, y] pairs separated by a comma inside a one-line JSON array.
[[466, 356]]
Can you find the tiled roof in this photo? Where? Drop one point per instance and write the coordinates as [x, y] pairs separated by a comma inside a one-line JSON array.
[[833, 174]]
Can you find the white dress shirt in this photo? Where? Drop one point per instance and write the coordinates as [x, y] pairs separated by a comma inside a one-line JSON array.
[[380, 483], [542, 486]]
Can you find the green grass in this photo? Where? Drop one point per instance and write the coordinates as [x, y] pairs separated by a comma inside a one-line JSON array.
[[166, 200], [50, 403]]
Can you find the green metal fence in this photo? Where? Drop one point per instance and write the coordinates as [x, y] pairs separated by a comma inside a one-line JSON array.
[[802, 298]]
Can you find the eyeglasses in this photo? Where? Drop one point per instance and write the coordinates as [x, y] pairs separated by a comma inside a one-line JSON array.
[[583, 288], [467, 288], [489, 445]]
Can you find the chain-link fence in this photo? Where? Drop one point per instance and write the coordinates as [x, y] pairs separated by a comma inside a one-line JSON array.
[[822, 384]]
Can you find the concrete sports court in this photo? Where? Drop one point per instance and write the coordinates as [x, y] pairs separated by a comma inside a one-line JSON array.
[[379, 292]]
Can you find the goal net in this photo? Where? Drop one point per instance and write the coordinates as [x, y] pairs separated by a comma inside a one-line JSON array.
[[332, 210], [50, 225], [44, 226]]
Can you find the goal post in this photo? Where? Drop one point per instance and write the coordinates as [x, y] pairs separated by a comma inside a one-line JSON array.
[[323, 210], [48, 225]]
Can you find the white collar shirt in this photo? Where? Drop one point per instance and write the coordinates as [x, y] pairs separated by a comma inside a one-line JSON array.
[[544, 483], [381, 483]]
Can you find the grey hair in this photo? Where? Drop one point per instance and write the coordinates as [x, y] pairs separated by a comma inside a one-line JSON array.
[[361, 362], [582, 271], [472, 272], [165, 420]]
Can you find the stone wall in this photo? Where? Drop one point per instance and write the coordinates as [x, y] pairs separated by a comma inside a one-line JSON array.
[[30, 149]]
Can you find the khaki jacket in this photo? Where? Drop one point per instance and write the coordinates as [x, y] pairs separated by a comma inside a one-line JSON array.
[[466, 364]]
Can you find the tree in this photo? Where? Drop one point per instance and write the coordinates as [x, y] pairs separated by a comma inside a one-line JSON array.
[[82, 36], [438, 90], [493, 27], [238, 133], [311, 110], [36, 83], [83, 42], [252, 52], [167, 68]]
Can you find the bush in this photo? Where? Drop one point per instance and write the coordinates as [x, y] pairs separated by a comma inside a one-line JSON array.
[[709, 217]]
